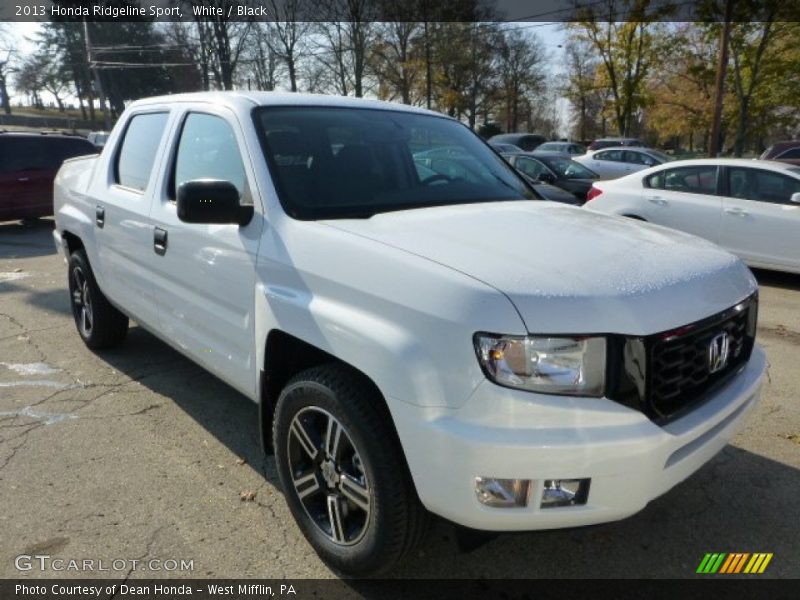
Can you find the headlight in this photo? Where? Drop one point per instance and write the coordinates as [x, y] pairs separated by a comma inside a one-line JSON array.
[[574, 366]]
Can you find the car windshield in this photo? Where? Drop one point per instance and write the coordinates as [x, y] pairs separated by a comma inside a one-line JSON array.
[[331, 163], [568, 168]]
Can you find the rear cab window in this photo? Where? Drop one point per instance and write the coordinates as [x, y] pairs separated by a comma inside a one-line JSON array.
[[133, 165]]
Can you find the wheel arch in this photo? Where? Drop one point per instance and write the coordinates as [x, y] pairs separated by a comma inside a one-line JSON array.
[[286, 355], [73, 241]]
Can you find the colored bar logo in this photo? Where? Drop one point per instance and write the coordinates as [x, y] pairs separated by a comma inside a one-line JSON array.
[[734, 563]]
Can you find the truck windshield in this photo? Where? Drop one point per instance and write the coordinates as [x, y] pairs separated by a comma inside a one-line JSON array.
[[330, 163]]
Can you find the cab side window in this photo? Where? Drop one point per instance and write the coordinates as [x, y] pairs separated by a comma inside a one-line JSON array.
[[612, 155], [136, 156], [639, 158], [531, 168], [655, 181], [764, 186], [694, 180], [208, 150]]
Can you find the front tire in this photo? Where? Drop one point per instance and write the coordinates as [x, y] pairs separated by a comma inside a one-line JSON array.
[[99, 324], [343, 472]]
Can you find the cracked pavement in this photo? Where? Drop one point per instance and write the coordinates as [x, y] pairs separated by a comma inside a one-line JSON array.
[[137, 453]]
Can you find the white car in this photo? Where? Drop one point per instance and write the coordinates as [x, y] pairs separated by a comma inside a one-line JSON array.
[[750, 207], [416, 338], [610, 163]]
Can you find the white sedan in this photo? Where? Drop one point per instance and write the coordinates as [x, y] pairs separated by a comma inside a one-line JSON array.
[[610, 163], [750, 207]]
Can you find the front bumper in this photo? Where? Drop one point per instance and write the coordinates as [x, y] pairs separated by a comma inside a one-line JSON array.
[[510, 434]]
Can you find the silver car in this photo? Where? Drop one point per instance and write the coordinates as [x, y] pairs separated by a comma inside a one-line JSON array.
[[611, 163]]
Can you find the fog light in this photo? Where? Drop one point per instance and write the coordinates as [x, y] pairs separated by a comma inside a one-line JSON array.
[[564, 492], [502, 493]]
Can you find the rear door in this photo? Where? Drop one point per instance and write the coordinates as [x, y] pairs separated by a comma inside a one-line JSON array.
[[122, 197], [204, 275], [685, 198], [759, 222], [27, 178], [609, 164]]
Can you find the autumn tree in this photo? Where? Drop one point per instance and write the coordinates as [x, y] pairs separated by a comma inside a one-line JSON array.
[[623, 36], [7, 57], [682, 86]]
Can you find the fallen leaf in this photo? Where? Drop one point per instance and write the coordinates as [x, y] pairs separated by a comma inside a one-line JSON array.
[[247, 496], [241, 461]]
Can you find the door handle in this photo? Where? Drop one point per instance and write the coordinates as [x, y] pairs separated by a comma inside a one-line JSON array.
[[160, 241], [23, 179], [100, 216], [657, 200], [737, 212]]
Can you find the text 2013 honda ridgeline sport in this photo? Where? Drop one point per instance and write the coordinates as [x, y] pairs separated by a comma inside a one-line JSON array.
[[421, 332]]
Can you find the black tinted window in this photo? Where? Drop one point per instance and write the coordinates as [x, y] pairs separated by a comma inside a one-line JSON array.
[[766, 186], [791, 153], [208, 150], [138, 152], [613, 155], [24, 154], [531, 167], [655, 181], [338, 162], [696, 180], [62, 149]]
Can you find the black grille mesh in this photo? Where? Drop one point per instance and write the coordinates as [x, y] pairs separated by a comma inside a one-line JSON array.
[[679, 368]]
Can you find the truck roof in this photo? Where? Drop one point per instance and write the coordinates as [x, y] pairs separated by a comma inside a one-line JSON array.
[[248, 99]]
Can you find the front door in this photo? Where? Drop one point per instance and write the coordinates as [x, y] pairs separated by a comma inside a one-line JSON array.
[[759, 222], [205, 274]]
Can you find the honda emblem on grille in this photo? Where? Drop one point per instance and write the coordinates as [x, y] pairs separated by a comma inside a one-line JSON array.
[[718, 351]]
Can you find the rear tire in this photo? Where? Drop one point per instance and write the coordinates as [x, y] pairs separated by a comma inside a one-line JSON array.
[[99, 324], [343, 472]]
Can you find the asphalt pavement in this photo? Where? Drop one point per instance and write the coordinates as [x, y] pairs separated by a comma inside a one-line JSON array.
[[137, 454]]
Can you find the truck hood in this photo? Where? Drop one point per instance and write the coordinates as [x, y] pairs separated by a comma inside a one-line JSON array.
[[569, 270]]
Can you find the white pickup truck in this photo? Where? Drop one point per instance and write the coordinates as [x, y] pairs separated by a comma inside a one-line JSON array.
[[420, 332]]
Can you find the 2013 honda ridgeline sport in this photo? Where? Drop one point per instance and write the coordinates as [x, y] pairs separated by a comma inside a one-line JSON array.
[[420, 331]]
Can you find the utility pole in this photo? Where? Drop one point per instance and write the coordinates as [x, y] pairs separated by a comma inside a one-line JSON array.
[[722, 70], [97, 83]]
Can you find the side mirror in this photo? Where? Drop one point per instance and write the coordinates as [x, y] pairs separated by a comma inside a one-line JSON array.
[[547, 177], [211, 201], [795, 198]]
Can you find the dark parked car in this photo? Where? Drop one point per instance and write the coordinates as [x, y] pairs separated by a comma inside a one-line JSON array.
[[611, 142], [788, 152], [527, 167], [28, 166], [557, 170], [525, 141]]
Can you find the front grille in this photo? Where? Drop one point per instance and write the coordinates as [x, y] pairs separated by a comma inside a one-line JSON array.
[[668, 373]]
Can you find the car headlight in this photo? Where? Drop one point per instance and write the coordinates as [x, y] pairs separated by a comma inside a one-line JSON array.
[[574, 366]]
